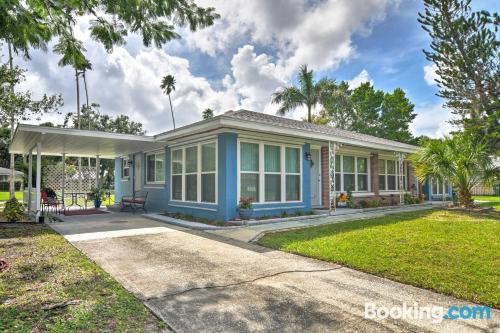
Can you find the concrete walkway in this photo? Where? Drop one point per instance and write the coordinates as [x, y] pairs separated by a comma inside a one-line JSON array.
[[203, 282], [252, 233]]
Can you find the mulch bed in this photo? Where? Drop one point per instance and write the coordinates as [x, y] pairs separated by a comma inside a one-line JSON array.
[[84, 212]]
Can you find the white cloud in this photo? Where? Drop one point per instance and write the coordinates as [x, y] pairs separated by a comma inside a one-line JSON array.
[[432, 120], [430, 75], [319, 34], [362, 77]]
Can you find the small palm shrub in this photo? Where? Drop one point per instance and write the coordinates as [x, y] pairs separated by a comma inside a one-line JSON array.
[[14, 210]]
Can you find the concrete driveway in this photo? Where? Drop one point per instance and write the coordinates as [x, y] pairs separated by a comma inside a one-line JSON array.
[[201, 282]]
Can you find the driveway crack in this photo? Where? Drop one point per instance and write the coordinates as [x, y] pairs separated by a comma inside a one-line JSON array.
[[243, 282]]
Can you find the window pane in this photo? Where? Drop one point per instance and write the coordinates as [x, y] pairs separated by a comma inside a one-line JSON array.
[[348, 182], [381, 180], [191, 187], [272, 187], [249, 156], [391, 183], [126, 172], [150, 164], [435, 187], [391, 167], [337, 182], [348, 164], [191, 159], [337, 163], [272, 158], [160, 167], [177, 187], [250, 186], [208, 187], [362, 165], [362, 183], [292, 187], [177, 161], [208, 157], [381, 167], [292, 160]]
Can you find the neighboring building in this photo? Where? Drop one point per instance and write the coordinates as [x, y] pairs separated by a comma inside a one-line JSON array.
[[204, 168]]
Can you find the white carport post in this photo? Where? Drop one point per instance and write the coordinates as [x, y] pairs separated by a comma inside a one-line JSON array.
[[38, 179], [63, 185], [97, 169], [30, 177]]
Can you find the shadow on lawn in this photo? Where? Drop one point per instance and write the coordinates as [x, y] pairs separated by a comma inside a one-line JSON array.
[[313, 232], [23, 230]]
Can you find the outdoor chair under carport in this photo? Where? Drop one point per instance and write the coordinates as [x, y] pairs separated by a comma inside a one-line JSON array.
[[135, 202]]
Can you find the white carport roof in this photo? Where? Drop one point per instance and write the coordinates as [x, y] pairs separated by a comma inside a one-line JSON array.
[[74, 142], [6, 172]]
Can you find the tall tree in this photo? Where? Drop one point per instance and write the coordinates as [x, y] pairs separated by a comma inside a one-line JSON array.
[[465, 48], [208, 113], [337, 107], [168, 86], [396, 116], [16, 106], [367, 103], [464, 160], [309, 93]]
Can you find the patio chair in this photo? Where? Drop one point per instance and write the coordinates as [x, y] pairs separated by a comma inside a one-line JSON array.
[[135, 202], [49, 201]]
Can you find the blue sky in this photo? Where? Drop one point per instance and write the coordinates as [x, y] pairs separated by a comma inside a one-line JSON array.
[[254, 49]]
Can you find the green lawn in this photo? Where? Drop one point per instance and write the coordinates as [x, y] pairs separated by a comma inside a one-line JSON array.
[[46, 271], [490, 201], [452, 253]]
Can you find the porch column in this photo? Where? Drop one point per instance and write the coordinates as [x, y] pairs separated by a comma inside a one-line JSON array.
[[30, 177], [332, 148], [97, 170], [400, 172], [38, 179], [374, 174], [63, 185]]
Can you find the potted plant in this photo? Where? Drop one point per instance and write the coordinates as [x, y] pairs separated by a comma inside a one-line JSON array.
[[98, 195], [342, 202], [245, 208]]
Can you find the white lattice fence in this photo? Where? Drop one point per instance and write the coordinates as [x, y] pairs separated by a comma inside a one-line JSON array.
[[74, 180]]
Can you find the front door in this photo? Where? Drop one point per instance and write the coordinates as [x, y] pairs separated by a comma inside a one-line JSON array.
[[315, 178], [137, 172]]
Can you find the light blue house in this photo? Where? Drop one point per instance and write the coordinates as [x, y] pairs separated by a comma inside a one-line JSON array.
[[204, 168]]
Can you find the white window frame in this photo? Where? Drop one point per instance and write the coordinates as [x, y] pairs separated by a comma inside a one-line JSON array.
[[439, 187], [261, 172], [198, 173], [155, 153], [125, 165], [355, 173], [395, 174]]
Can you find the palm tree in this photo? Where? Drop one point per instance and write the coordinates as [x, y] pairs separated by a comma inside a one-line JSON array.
[[168, 85], [208, 113], [309, 93], [463, 160]]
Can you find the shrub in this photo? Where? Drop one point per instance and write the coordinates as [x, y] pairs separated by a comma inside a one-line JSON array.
[[350, 203], [284, 214], [376, 203], [14, 210], [245, 203], [364, 204]]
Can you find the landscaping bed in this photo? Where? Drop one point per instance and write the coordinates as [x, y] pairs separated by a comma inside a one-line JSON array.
[[51, 287], [449, 252]]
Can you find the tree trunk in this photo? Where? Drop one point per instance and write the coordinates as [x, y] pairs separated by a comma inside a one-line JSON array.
[[171, 110], [12, 189], [465, 198], [309, 117], [88, 113]]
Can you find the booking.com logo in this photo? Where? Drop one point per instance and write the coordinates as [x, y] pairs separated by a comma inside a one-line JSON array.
[[435, 313]]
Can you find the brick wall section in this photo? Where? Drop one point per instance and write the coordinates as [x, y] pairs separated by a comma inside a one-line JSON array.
[[325, 184], [374, 173]]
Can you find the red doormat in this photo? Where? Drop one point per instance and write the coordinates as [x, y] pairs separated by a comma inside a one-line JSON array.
[[84, 212]]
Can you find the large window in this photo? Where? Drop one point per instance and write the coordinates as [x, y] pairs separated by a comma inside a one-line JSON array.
[[125, 168], [388, 175], [194, 173], [155, 167], [437, 187], [270, 172], [351, 173]]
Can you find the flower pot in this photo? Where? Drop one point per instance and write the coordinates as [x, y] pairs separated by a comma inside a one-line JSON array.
[[245, 214], [97, 203], [342, 204]]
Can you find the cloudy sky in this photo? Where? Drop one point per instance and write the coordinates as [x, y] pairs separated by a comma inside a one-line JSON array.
[[255, 48]]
